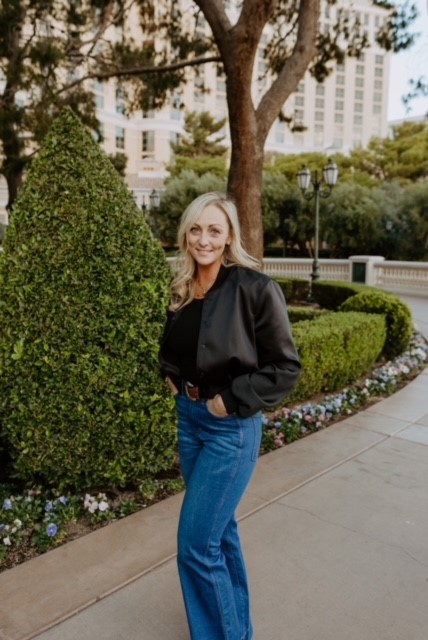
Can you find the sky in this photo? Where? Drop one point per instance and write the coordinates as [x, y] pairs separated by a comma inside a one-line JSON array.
[[410, 64]]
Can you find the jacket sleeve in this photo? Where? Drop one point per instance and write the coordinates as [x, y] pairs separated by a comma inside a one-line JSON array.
[[278, 361]]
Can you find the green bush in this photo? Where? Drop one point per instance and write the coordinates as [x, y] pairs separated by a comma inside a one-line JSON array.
[[298, 314], [331, 294], [335, 349], [294, 289], [399, 324], [84, 289]]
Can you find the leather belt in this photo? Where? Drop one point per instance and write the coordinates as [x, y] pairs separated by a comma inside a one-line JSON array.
[[192, 391]]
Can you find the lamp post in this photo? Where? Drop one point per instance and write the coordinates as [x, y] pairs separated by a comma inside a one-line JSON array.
[[304, 179], [154, 201], [154, 198]]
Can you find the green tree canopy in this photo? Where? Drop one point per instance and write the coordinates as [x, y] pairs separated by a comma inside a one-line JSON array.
[[199, 148], [49, 50]]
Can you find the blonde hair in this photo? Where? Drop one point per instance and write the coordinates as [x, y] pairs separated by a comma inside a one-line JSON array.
[[183, 285]]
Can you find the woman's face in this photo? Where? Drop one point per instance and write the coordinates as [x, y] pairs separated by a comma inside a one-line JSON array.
[[208, 236]]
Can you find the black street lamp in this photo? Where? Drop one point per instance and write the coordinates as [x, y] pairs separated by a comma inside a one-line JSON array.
[[154, 201], [330, 175], [154, 198]]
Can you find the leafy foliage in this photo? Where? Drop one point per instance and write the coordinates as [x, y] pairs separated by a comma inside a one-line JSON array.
[[335, 349], [84, 289], [200, 149], [398, 317]]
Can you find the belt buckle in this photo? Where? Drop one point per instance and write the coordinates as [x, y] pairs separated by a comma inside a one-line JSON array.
[[192, 391]]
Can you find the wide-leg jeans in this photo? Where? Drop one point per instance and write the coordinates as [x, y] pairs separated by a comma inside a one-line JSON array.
[[218, 457]]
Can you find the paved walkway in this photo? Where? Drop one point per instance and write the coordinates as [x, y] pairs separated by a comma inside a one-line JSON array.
[[334, 528]]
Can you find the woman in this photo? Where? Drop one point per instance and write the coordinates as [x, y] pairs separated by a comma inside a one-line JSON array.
[[227, 353]]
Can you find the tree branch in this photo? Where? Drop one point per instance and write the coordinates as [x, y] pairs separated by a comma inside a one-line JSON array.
[[294, 67], [138, 71]]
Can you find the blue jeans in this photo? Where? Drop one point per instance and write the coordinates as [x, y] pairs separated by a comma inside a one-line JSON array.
[[218, 457]]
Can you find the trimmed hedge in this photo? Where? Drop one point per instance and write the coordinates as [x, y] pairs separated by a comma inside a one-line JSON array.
[[331, 294], [298, 314], [336, 349], [294, 288], [399, 323], [83, 296]]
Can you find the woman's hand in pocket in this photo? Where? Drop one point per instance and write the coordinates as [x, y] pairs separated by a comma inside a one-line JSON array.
[[216, 407], [172, 386]]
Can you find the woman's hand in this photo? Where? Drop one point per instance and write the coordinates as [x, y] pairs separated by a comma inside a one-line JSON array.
[[216, 406], [172, 386]]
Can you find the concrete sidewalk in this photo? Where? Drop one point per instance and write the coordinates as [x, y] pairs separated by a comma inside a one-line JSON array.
[[334, 529]]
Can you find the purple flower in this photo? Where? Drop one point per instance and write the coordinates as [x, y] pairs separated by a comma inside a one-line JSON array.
[[51, 530], [7, 504], [49, 506], [63, 500]]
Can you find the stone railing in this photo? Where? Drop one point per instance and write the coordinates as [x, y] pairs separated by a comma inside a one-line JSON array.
[[398, 277], [409, 278]]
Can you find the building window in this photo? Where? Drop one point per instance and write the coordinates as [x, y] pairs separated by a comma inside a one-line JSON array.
[[199, 87], [280, 132], [319, 135], [120, 138], [319, 103], [360, 69], [339, 105], [99, 101], [378, 59], [378, 72], [358, 119], [120, 101], [340, 92], [301, 88], [340, 68], [377, 108], [299, 101], [174, 138], [98, 89], [340, 80], [148, 144], [358, 107], [298, 114], [320, 90], [319, 116], [338, 117], [175, 107], [377, 97], [378, 85], [359, 82], [359, 95]]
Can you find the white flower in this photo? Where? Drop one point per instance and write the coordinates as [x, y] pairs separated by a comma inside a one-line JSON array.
[[17, 522], [93, 507], [103, 505], [7, 541]]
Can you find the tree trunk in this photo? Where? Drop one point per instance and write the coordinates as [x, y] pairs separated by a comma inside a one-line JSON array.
[[14, 183], [245, 181]]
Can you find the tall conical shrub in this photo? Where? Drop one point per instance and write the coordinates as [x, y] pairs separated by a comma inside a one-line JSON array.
[[83, 295]]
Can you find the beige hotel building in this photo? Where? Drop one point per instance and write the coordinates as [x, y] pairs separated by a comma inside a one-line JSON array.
[[344, 112]]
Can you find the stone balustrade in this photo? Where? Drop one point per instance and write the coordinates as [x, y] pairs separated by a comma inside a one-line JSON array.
[[409, 278]]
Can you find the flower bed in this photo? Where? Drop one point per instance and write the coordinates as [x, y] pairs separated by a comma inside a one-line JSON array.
[[288, 424], [33, 522]]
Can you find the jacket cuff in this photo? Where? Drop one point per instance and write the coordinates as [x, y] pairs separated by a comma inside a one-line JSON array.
[[229, 401]]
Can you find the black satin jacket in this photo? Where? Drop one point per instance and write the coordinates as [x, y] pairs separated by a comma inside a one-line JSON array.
[[245, 347]]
